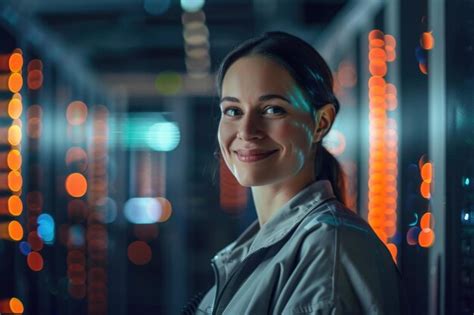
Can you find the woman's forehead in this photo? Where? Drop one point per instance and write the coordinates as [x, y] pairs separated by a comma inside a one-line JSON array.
[[251, 77], [257, 74]]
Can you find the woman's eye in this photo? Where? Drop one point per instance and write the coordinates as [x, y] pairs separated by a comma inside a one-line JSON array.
[[274, 110], [231, 111]]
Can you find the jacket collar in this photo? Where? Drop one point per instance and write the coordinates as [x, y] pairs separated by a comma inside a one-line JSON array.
[[285, 219]]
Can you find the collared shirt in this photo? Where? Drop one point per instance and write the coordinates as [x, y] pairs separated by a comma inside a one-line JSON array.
[[313, 256]]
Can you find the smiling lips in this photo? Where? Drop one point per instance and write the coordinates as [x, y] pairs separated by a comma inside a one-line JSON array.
[[253, 155]]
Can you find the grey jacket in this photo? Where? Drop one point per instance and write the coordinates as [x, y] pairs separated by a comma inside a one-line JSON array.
[[314, 256]]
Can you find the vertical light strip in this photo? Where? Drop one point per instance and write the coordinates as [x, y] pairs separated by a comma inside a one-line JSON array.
[[383, 141], [437, 154], [97, 237]]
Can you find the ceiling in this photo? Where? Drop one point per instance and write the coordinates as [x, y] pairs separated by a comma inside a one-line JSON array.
[[127, 43]]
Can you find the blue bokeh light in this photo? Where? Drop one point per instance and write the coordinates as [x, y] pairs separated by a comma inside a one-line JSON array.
[[142, 210], [76, 235], [25, 248], [192, 5], [163, 136], [46, 228]]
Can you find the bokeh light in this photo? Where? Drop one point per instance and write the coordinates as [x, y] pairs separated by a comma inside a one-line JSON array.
[[426, 237], [15, 108], [46, 228], [163, 136], [143, 210], [11, 306], [423, 68], [192, 5], [25, 248], [139, 253], [427, 172], [412, 235], [393, 251], [15, 205], [166, 209], [425, 190], [15, 181], [76, 113], [169, 83], [76, 235], [427, 221], [15, 62], [14, 135], [11, 230], [35, 241], [335, 142], [15, 82], [35, 261], [14, 160], [35, 79], [76, 185], [427, 41]]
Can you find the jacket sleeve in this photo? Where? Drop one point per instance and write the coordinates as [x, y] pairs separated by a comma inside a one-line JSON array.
[[340, 270]]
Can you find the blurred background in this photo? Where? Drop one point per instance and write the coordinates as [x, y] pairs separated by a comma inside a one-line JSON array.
[[111, 199]]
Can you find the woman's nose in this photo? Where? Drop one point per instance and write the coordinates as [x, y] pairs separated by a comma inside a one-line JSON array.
[[250, 128]]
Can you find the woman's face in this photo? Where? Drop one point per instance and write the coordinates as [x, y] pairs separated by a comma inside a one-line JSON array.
[[266, 130]]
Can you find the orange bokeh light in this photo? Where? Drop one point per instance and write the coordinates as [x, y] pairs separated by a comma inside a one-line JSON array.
[[391, 55], [376, 81], [165, 209], [35, 261], [426, 237], [11, 306], [139, 253], [14, 230], [427, 172], [76, 185], [15, 108], [15, 82], [76, 113], [14, 135], [390, 41], [427, 221], [377, 54], [378, 68], [425, 190], [15, 205], [427, 41], [15, 62], [15, 181], [393, 250], [423, 68], [14, 160]]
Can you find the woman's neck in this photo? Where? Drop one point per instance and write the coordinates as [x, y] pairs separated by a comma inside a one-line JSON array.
[[269, 198]]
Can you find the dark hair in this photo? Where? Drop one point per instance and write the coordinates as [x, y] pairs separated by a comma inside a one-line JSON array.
[[313, 76]]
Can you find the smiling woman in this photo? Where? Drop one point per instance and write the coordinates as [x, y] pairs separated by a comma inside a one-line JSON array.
[[307, 253]]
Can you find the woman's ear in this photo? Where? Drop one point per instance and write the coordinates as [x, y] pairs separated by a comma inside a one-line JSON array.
[[324, 119]]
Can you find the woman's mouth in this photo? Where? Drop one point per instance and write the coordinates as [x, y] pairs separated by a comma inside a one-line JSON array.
[[253, 155]]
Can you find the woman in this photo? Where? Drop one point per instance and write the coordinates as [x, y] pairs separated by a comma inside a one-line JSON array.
[[306, 253]]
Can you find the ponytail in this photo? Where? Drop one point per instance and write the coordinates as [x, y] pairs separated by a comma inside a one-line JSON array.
[[328, 167]]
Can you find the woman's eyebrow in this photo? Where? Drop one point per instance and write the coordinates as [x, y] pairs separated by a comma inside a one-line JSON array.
[[260, 99]]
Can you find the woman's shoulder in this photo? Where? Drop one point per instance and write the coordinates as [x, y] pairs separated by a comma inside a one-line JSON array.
[[335, 225]]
